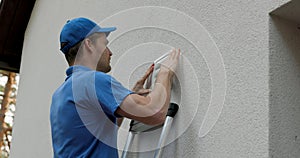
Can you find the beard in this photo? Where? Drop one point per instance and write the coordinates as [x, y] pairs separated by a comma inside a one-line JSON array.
[[108, 68], [103, 68]]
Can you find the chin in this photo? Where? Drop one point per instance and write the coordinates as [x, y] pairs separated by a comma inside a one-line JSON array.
[[104, 69], [108, 70]]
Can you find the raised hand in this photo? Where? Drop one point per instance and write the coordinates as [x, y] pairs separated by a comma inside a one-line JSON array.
[[139, 86], [171, 62]]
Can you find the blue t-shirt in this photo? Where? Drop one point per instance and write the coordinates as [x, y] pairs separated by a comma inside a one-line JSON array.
[[82, 114]]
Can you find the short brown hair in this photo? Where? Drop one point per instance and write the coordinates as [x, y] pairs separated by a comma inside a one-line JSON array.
[[73, 51]]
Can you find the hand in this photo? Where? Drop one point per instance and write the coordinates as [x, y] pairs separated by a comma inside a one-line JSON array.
[[139, 86], [170, 64]]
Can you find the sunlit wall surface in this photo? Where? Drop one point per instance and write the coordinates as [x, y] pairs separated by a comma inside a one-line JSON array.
[[224, 72]]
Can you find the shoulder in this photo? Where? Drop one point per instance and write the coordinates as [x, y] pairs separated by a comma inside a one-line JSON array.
[[100, 76], [106, 80]]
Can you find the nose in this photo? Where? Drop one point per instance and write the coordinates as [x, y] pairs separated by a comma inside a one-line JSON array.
[[110, 53]]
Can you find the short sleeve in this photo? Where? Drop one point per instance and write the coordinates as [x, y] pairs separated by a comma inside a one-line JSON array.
[[110, 92]]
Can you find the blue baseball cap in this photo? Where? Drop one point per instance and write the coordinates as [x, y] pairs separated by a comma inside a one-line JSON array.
[[77, 29]]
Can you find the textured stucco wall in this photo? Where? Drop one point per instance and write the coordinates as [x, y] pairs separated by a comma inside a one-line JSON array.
[[284, 87], [240, 29]]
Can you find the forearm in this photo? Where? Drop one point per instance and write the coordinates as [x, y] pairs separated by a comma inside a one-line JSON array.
[[160, 95], [152, 109]]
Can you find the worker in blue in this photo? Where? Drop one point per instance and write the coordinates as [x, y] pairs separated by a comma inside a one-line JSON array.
[[88, 107]]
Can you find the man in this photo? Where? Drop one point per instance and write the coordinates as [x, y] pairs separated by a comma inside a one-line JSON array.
[[86, 107]]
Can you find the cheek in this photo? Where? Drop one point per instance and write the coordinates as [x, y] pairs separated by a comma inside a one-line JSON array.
[[101, 51]]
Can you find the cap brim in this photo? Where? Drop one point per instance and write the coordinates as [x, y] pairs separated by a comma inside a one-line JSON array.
[[107, 30]]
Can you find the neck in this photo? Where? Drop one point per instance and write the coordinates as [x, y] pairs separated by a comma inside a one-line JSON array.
[[86, 63], [86, 58]]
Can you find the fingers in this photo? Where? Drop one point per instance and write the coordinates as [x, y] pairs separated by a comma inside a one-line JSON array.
[[173, 59], [178, 54], [148, 72], [146, 75], [174, 54], [145, 91]]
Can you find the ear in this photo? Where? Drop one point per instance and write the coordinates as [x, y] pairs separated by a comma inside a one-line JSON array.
[[89, 45]]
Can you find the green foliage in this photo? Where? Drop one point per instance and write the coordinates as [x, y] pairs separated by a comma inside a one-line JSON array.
[[1, 88]]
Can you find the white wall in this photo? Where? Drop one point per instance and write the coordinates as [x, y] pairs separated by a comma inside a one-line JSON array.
[[284, 88], [284, 81], [240, 30]]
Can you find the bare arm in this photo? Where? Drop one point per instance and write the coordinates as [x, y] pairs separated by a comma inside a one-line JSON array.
[[139, 88], [152, 109]]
